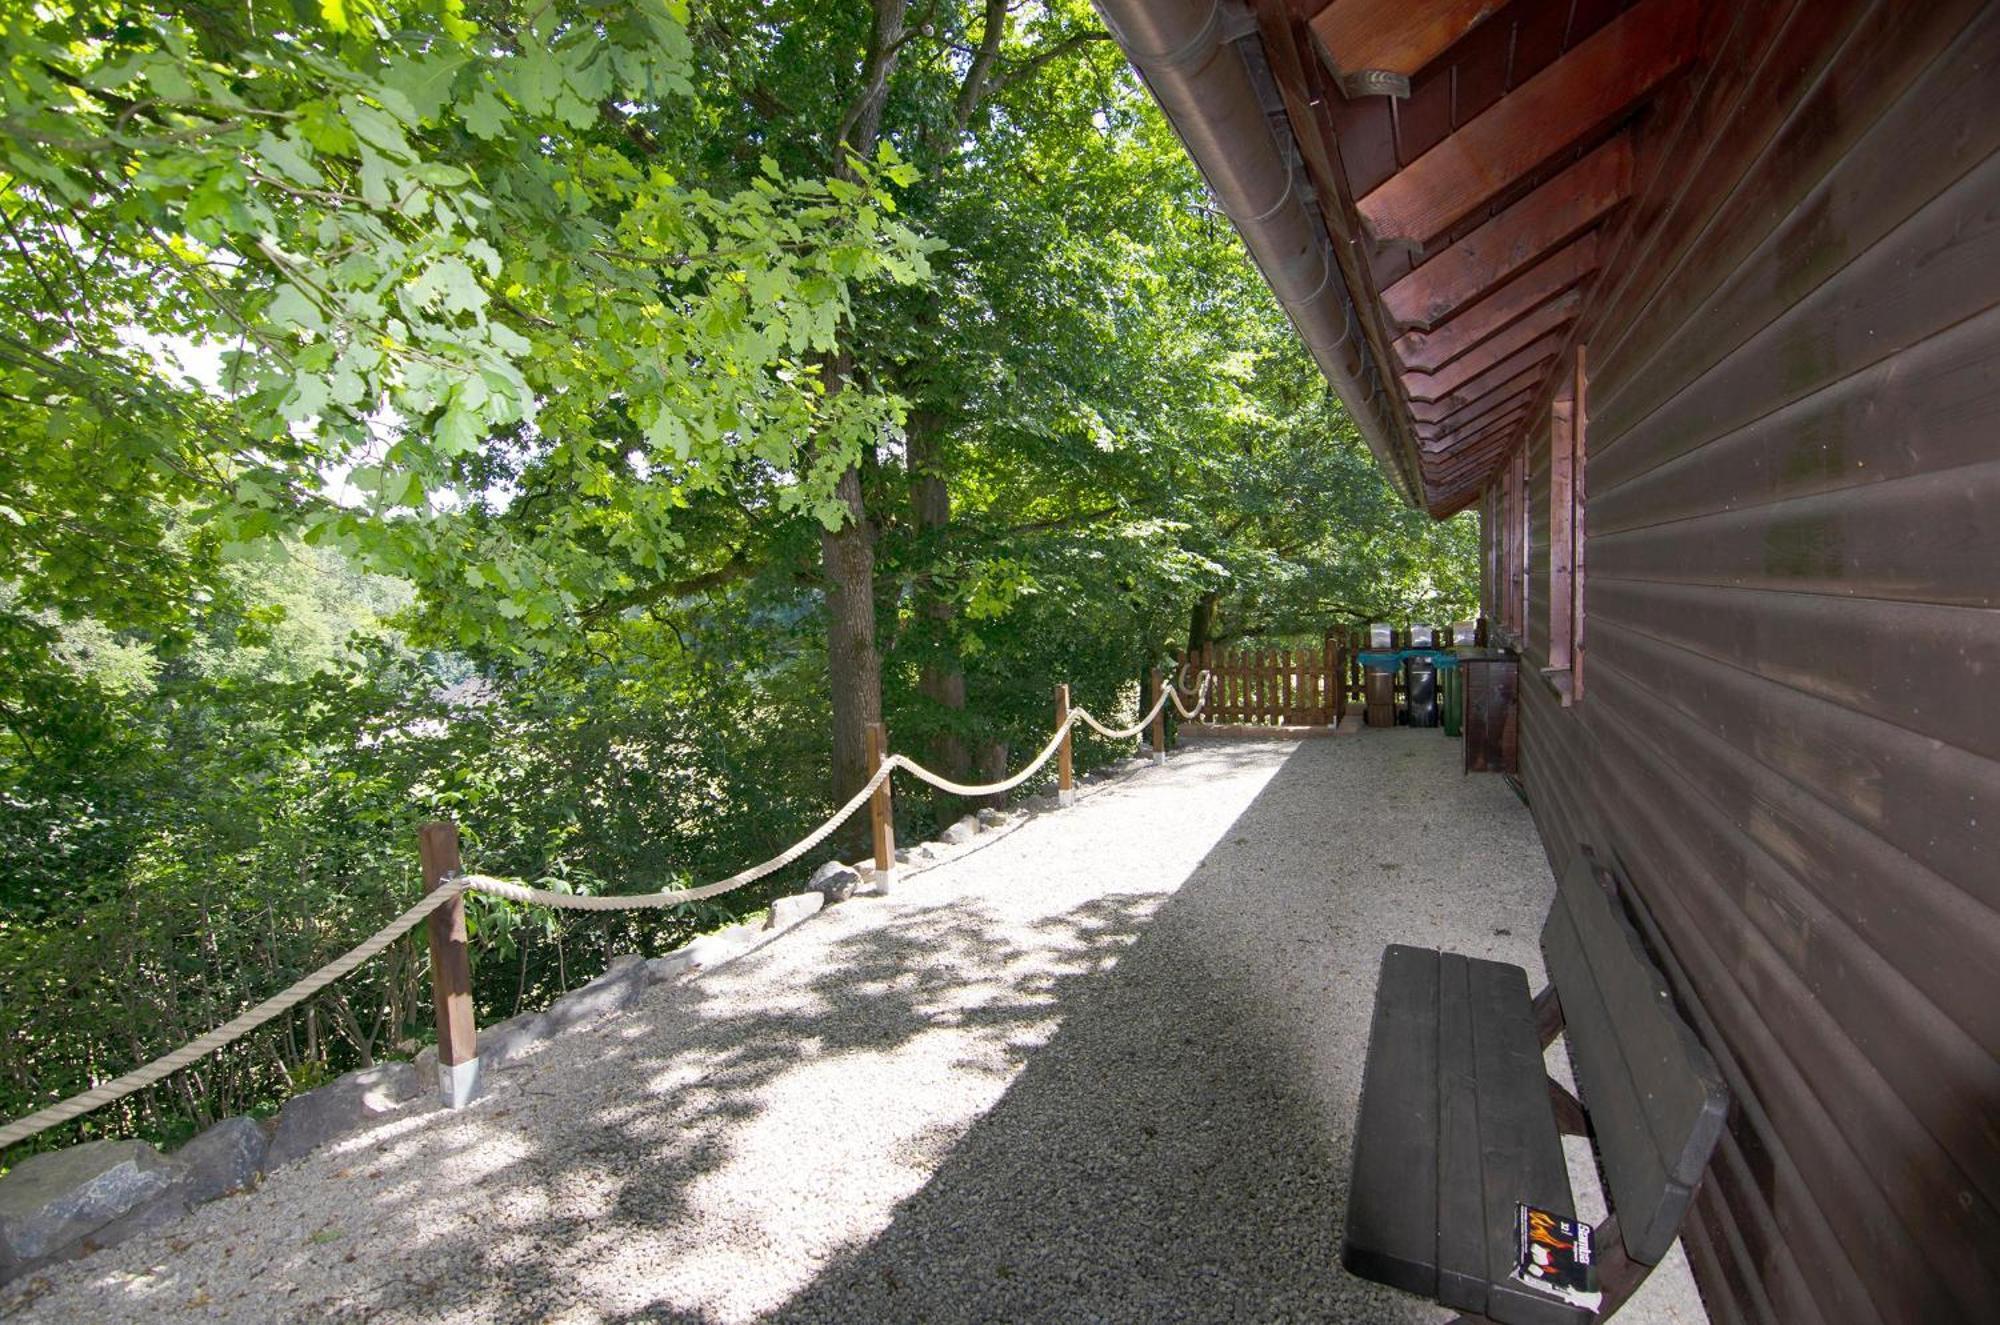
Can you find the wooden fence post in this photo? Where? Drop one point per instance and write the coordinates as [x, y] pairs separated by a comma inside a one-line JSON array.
[[1065, 770], [1159, 722], [451, 971], [1328, 664], [882, 810]]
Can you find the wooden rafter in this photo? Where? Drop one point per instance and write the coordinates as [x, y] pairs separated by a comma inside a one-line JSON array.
[[1475, 472], [1508, 393], [1589, 86], [1442, 436], [1485, 436], [1517, 237], [1557, 312], [1477, 469], [1536, 352], [1427, 351], [1442, 418], [1393, 37]]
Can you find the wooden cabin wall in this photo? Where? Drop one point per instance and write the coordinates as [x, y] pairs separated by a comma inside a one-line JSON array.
[[1789, 736]]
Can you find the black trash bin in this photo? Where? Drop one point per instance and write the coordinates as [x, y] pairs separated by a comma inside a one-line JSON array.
[[1420, 691]]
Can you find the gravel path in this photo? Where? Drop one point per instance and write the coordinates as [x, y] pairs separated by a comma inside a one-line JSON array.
[[1102, 1068]]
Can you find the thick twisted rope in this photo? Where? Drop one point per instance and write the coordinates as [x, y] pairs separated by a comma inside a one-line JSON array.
[[1127, 733], [521, 892], [1200, 696], [945, 784], [249, 1020], [232, 1030]]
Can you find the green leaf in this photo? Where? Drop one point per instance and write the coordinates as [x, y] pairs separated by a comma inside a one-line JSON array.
[[425, 82], [485, 116]]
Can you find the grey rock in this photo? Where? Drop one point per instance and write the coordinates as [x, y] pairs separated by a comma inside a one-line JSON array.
[[834, 881], [1044, 801], [992, 818], [789, 911], [923, 853], [508, 1042], [722, 945], [64, 1202], [228, 1157], [345, 1104], [960, 833], [611, 992], [675, 964]]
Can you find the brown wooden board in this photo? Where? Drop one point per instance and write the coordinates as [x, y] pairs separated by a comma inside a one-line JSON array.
[[1517, 238], [1393, 35], [1563, 104], [1656, 1101], [1389, 1238], [1553, 313], [1427, 351]]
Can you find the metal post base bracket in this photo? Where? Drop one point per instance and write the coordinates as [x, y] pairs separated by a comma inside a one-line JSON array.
[[1159, 758], [458, 1083], [1066, 798]]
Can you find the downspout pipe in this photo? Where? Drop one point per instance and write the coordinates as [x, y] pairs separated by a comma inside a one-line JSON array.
[[1182, 50]]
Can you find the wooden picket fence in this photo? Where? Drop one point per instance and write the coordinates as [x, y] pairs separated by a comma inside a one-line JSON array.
[[1291, 687]]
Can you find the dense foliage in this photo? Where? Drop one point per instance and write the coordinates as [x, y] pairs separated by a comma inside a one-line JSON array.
[[572, 419]]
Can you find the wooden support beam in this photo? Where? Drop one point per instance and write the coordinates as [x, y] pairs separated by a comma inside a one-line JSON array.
[[1516, 238], [1159, 733], [1600, 78], [881, 809], [1557, 312], [451, 969], [1360, 38], [1428, 351], [1065, 769]]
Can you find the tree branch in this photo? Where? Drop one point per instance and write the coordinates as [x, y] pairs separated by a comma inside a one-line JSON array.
[[973, 89]]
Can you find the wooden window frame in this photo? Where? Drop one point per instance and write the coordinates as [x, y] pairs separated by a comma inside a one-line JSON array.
[[1510, 551], [1567, 432]]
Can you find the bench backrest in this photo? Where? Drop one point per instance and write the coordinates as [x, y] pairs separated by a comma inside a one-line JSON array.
[[1656, 1102]]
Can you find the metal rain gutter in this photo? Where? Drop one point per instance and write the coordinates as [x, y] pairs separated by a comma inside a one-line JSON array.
[[1183, 50]]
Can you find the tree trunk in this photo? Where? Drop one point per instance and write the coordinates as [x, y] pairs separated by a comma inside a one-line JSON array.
[[1201, 624], [847, 554], [942, 679], [854, 667]]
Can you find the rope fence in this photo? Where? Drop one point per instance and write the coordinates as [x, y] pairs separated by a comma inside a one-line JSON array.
[[443, 905]]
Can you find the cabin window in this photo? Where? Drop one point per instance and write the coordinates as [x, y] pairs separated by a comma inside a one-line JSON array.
[[1566, 472]]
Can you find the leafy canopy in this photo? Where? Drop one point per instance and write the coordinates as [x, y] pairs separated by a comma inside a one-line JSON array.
[[415, 240]]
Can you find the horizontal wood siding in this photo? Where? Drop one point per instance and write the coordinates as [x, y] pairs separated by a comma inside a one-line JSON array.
[[1790, 740]]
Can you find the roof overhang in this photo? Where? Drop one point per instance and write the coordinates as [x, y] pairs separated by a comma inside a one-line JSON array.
[[1428, 186]]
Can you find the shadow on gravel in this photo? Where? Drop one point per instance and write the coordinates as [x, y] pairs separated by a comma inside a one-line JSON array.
[[648, 1150], [1170, 1155]]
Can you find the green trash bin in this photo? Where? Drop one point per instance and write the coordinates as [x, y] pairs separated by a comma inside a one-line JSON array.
[[1451, 681]]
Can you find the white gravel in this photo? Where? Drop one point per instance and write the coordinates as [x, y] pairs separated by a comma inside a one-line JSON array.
[[1103, 1066]]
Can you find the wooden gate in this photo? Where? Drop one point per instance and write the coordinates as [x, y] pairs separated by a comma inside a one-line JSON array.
[[1296, 687]]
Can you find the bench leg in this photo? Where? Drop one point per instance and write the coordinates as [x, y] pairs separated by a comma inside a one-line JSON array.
[[1568, 1109], [1548, 1016]]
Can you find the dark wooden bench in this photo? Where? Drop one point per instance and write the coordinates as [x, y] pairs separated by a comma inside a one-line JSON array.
[[1460, 1120]]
